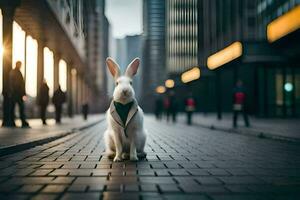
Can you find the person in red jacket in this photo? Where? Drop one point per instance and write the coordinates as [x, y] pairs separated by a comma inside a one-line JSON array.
[[190, 107], [239, 103]]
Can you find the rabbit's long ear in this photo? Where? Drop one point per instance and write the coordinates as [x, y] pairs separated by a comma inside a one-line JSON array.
[[132, 67], [113, 67]]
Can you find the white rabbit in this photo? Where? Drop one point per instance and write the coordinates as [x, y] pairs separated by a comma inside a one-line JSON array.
[[124, 137]]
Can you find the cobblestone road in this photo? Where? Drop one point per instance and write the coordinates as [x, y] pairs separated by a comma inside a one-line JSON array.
[[182, 163]]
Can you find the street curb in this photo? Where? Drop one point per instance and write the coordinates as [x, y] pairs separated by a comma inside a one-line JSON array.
[[258, 134], [20, 147]]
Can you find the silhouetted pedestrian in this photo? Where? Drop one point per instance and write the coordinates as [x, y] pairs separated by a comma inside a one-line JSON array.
[[166, 105], [159, 107], [18, 94], [172, 108], [239, 103], [190, 107], [59, 98], [85, 110], [43, 100]]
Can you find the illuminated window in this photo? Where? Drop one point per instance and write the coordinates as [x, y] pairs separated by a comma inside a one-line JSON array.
[[63, 75], [31, 66], [18, 46], [49, 69]]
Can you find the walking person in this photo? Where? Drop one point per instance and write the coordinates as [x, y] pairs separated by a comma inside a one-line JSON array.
[[158, 108], [43, 100], [239, 103], [58, 99], [18, 94], [85, 110], [166, 105], [173, 106], [190, 107]]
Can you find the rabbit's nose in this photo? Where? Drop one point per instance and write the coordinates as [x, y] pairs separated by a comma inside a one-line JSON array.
[[125, 92]]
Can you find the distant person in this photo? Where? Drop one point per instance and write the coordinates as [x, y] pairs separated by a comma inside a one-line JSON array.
[[18, 94], [166, 107], [159, 107], [85, 110], [190, 107], [239, 103], [43, 100], [59, 98], [173, 106]]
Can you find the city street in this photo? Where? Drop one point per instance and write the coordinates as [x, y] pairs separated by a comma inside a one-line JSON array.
[[183, 162]]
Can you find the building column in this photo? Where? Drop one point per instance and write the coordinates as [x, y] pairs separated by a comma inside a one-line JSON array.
[[8, 10], [56, 70], [74, 89], [69, 90], [40, 64]]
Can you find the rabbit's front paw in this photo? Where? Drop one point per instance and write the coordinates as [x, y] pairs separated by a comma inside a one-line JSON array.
[[117, 159], [133, 158]]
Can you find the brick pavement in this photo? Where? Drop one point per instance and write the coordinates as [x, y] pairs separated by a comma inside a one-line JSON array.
[[275, 128], [17, 136], [182, 163]]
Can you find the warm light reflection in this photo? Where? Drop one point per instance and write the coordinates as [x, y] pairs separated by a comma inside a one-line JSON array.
[[49, 69], [2, 51], [160, 89], [190, 75], [284, 24], [169, 83], [31, 66], [63, 75], [224, 56], [74, 72], [18, 46]]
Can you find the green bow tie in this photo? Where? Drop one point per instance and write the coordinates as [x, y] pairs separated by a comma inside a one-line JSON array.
[[123, 110]]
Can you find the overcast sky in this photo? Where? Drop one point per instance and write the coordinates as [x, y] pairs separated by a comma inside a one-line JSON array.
[[125, 17]]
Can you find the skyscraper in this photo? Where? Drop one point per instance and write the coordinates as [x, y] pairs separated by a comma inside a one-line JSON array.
[[181, 35], [153, 60]]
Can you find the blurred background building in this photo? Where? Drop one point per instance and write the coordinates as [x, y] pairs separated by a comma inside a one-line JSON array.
[[58, 41], [212, 44], [241, 27], [182, 48], [97, 45], [188, 46], [154, 50]]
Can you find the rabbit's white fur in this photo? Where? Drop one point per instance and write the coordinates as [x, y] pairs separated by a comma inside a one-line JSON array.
[[117, 144]]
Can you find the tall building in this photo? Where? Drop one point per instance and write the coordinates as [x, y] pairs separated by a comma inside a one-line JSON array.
[[182, 47], [267, 68], [181, 35], [53, 39], [153, 59], [97, 30]]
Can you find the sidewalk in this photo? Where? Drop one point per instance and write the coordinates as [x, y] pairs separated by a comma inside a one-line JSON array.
[[14, 139], [283, 129]]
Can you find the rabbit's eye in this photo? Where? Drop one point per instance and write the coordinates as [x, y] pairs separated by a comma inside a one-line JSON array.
[[117, 83], [130, 82]]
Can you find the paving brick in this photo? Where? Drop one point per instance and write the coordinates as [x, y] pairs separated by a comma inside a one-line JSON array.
[[54, 189], [81, 196], [30, 188], [168, 188]]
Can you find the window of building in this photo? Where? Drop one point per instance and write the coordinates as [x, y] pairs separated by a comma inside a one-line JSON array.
[[49, 69], [31, 66], [62, 75], [18, 46]]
